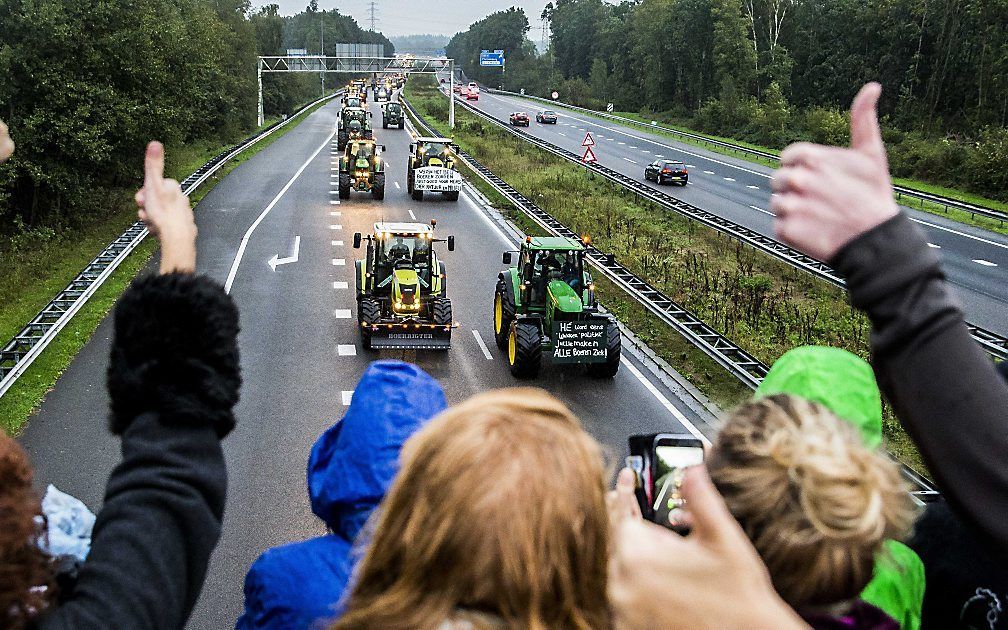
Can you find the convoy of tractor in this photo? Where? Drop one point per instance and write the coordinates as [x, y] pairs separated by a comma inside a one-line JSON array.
[[544, 307]]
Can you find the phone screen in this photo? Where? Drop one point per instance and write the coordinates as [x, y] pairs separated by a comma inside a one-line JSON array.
[[670, 464]]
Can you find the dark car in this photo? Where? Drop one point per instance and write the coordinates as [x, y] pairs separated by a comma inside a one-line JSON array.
[[519, 119], [666, 171], [546, 117]]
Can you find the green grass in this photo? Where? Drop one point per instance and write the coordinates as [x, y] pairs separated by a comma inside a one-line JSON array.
[[761, 303], [41, 264], [986, 223]]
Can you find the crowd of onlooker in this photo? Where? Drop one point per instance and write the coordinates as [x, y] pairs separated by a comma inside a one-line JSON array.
[[497, 512]]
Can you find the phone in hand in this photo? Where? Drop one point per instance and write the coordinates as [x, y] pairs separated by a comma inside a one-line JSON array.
[[659, 461]]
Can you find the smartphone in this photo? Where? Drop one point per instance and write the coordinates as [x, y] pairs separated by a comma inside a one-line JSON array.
[[659, 462]]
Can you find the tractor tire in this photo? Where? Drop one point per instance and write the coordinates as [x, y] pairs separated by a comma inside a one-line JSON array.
[[525, 350], [409, 182], [442, 312], [368, 311], [378, 189], [402, 123], [344, 187], [611, 365], [384, 125], [503, 314], [341, 141], [417, 195], [452, 195]]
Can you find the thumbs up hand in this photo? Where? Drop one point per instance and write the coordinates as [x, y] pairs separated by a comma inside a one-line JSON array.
[[824, 197]]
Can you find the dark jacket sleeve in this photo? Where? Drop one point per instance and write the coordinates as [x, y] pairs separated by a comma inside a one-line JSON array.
[[944, 388], [173, 379]]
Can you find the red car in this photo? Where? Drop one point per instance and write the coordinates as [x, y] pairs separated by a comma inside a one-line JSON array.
[[519, 119]]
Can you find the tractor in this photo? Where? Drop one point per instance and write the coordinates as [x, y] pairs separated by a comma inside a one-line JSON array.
[[392, 115], [353, 124], [401, 288], [432, 168], [545, 305], [361, 168]]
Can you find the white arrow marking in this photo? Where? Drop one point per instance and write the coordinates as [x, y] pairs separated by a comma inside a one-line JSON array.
[[277, 261]]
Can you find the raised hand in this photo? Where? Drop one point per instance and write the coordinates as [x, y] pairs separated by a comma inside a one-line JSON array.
[[6, 144], [712, 578], [824, 197], [167, 213]]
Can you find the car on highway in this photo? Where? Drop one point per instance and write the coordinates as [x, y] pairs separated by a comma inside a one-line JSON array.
[[519, 119], [667, 171], [472, 91], [546, 117], [458, 88]]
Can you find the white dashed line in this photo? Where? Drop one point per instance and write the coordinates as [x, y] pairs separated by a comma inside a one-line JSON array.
[[411, 215], [339, 285], [690, 166], [658, 155], [346, 350], [753, 187], [562, 134], [729, 179], [334, 202], [347, 397], [337, 243], [335, 227], [338, 262], [398, 187], [985, 263], [334, 213], [763, 211], [633, 147], [629, 160], [342, 313], [623, 143], [933, 246], [709, 172], [483, 346]]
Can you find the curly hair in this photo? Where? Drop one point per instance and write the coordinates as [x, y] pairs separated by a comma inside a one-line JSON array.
[[817, 503], [25, 570]]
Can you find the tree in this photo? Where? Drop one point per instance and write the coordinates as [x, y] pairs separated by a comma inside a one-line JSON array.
[[733, 55]]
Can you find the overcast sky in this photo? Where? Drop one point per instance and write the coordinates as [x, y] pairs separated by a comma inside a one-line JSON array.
[[411, 17]]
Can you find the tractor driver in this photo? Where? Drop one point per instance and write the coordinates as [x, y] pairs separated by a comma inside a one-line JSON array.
[[398, 251], [570, 272]]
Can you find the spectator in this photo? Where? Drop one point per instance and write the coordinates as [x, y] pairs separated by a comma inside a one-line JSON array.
[[6, 144], [837, 205], [815, 501], [843, 383], [497, 519], [173, 379], [351, 467]]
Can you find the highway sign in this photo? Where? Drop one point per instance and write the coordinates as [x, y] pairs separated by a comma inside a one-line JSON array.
[[493, 59], [589, 155], [523, 91], [555, 95], [609, 107], [588, 141]]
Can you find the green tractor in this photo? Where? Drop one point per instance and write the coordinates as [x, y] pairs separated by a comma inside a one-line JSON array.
[[432, 167], [353, 124], [392, 115], [401, 288], [545, 305], [361, 168]]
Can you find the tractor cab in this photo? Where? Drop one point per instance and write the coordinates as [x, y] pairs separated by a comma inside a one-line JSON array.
[[433, 152], [552, 277], [352, 125]]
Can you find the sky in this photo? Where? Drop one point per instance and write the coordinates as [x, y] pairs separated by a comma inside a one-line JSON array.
[[413, 17]]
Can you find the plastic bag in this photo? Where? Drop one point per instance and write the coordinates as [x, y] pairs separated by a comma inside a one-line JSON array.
[[70, 524]]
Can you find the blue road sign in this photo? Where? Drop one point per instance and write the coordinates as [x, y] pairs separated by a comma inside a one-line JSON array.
[[494, 59]]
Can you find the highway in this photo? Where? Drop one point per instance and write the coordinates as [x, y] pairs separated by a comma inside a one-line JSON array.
[[975, 260], [301, 352]]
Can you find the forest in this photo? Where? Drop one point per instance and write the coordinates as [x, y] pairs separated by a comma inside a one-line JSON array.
[[771, 72], [86, 84]]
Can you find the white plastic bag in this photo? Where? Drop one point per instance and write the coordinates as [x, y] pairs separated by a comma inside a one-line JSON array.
[[70, 524]]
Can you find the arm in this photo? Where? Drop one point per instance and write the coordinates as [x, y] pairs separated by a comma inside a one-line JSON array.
[[173, 379], [944, 389]]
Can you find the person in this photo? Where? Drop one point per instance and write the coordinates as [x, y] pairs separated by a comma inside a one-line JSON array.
[[497, 519], [837, 205], [6, 144], [173, 380], [816, 502], [844, 383], [350, 469], [398, 251]]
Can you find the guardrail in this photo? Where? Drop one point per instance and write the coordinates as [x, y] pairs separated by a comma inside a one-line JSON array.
[[748, 369], [901, 191], [21, 351], [993, 343]]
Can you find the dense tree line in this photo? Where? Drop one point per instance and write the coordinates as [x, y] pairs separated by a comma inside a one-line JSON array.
[[85, 84], [773, 71]]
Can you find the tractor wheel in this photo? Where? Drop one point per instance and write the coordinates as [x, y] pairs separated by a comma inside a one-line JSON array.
[[378, 188], [402, 123], [504, 313], [368, 311], [442, 312], [409, 182], [341, 141], [452, 195], [384, 125], [524, 349], [417, 195], [611, 365], [344, 187]]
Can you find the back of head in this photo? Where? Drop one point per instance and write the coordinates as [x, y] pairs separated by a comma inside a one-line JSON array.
[[816, 501], [499, 507]]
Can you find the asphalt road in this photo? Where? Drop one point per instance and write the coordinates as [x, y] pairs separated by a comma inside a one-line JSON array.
[[975, 260], [301, 352]]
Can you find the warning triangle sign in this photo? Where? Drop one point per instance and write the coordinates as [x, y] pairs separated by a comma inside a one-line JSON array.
[[588, 141], [589, 155]]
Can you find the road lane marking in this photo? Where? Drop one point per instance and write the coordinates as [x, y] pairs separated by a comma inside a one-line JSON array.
[[729, 179], [753, 187], [334, 213], [339, 285], [248, 233], [763, 211], [346, 350], [933, 246], [337, 243], [629, 160], [665, 402], [985, 263], [562, 134], [334, 202], [339, 262], [658, 155], [490, 222], [709, 172], [335, 227], [623, 143], [342, 313], [411, 215], [976, 238], [347, 397], [483, 346], [398, 187], [633, 147]]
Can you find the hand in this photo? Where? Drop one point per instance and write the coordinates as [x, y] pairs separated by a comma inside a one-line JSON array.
[[622, 502], [6, 144], [827, 196], [712, 578], [167, 213]]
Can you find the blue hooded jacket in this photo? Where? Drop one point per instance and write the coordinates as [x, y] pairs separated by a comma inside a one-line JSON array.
[[350, 469]]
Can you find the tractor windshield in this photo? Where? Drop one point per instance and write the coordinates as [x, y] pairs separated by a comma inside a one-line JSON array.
[[363, 151], [394, 108], [566, 265], [353, 102], [409, 248], [435, 151]]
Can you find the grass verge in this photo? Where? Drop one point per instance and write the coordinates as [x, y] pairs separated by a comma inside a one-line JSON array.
[[40, 266], [762, 304]]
